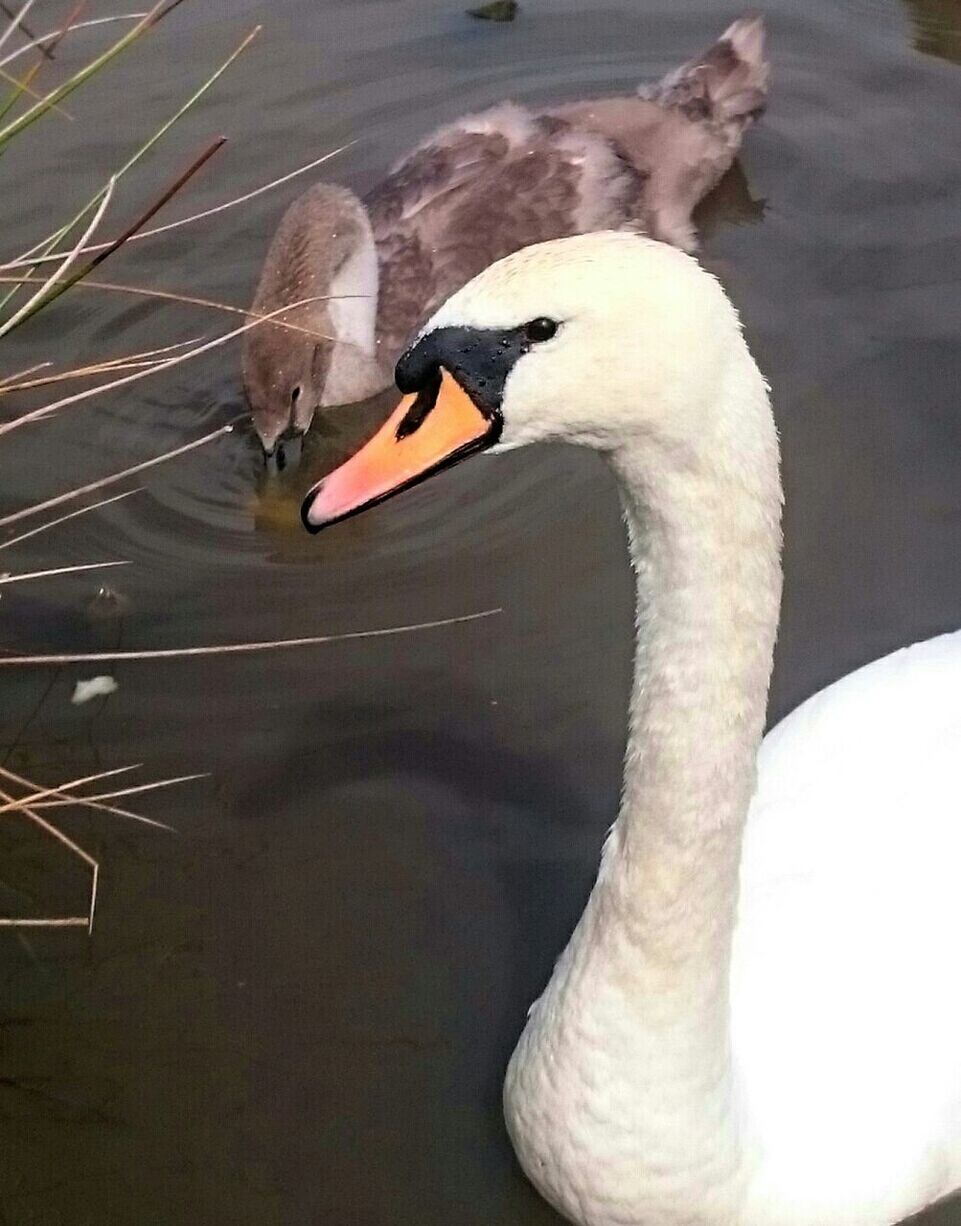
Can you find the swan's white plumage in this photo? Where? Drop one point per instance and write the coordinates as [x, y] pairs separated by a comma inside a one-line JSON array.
[[757, 1020], [846, 992], [819, 1084]]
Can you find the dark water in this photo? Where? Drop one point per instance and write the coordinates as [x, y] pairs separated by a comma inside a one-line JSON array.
[[298, 1008]]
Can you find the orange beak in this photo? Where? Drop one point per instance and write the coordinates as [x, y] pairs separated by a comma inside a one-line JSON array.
[[426, 432]]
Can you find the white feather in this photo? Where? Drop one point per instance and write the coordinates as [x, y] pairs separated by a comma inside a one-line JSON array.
[[766, 1039]]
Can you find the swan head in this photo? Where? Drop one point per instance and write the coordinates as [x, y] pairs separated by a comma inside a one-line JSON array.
[[607, 340], [283, 377], [319, 286]]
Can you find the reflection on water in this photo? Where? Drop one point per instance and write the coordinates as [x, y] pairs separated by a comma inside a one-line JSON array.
[[278, 495], [731, 203], [298, 1008], [937, 27]]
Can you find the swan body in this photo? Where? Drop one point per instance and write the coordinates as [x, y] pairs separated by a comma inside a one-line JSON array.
[[757, 1020], [846, 941], [368, 272]]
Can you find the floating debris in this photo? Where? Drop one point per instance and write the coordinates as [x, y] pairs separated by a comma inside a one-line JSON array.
[[108, 603], [93, 687], [497, 10]]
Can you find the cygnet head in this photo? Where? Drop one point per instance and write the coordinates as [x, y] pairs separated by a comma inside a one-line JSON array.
[[609, 340], [322, 266]]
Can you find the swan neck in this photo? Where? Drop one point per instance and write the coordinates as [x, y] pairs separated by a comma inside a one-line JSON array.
[[635, 1024], [705, 545]]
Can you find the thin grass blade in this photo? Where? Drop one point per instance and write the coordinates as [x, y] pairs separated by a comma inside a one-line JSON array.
[[55, 833], [91, 802], [58, 284], [62, 789], [203, 215], [62, 519], [19, 382], [93, 486], [44, 246], [16, 23], [226, 649], [58, 570], [47, 410], [45, 293], [142, 291], [39, 42]]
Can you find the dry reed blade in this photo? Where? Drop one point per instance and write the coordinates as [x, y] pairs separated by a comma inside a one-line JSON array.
[[128, 361], [165, 11], [99, 806], [16, 22], [205, 213], [22, 25], [27, 805], [22, 374], [45, 293], [22, 86], [46, 50], [62, 788], [152, 210], [42, 803], [247, 196], [60, 286], [139, 788], [142, 355], [93, 486], [62, 519], [58, 570], [55, 833], [65, 27], [211, 304], [224, 649], [39, 42], [33, 113], [47, 410], [92, 802], [80, 372], [45, 246]]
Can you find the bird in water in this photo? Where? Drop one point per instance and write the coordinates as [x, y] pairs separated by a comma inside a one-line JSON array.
[[757, 1019], [369, 272]]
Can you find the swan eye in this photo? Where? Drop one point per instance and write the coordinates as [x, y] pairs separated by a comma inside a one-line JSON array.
[[540, 329]]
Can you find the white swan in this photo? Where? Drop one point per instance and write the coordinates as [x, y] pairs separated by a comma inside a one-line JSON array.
[[764, 1033]]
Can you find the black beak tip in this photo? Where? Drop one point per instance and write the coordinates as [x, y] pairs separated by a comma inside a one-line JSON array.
[[275, 458], [305, 506]]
